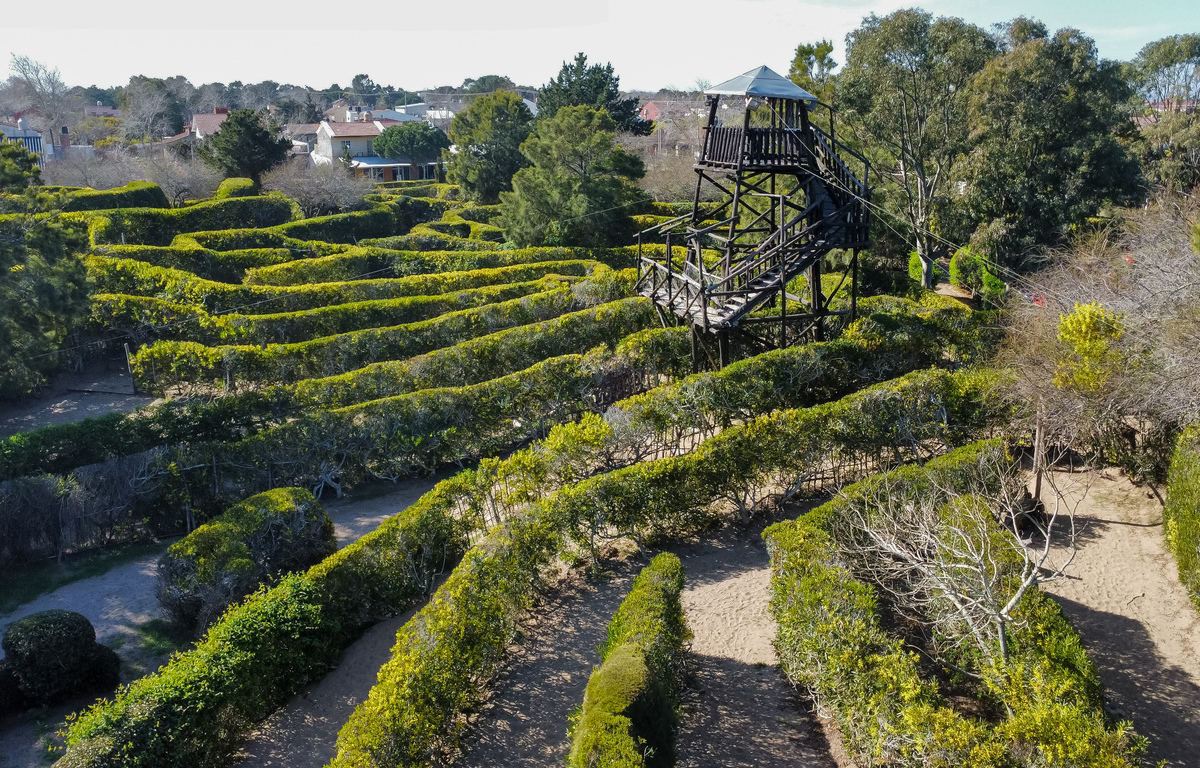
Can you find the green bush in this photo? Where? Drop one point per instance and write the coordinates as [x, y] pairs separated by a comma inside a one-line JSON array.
[[235, 187], [831, 639], [54, 654], [234, 366], [12, 698], [631, 699], [1181, 515], [223, 267], [443, 654], [198, 708], [219, 563], [971, 272], [915, 270], [154, 226], [148, 319], [135, 194]]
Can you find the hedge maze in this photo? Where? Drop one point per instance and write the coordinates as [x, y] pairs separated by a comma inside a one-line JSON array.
[[307, 356]]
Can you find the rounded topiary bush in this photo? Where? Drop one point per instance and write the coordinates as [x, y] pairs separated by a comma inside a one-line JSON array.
[[54, 654], [235, 187], [219, 563]]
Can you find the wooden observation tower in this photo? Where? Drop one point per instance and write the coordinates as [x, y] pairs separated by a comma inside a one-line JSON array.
[[787, 199]]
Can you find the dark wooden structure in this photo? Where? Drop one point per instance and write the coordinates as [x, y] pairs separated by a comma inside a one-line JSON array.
[[788, 198]]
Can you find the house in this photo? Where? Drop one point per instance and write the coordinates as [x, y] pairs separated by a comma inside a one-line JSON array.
[[351, 142], [21, 132], [101, 110], [302, 134], [205, 124]]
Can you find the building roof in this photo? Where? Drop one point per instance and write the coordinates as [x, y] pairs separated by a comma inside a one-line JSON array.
[[764, 82], [359, 129], [301, 129], [206, 124]]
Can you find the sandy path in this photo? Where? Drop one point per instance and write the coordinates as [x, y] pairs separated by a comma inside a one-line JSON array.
[[741, 711], [106, 392], [1125, 598]]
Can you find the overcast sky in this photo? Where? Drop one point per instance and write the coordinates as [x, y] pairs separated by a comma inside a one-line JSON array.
[[421, 44]]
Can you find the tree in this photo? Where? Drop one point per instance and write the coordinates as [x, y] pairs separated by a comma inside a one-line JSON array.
[[245, 146], [487, 138], [41, 89], [1167, 74], [577, 191], [43, 284], [319, 190], [579, 85], [812, 69], [417, 142], [1044, 117], [903, 94], [149, 109], [488, 84]]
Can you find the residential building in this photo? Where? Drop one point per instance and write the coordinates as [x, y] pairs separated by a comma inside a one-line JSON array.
[[352, 142], [205, 124], [101, 110], [21, 132]]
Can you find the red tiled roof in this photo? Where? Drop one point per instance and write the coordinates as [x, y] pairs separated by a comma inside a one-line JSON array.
[[207, 124], [301, 128]]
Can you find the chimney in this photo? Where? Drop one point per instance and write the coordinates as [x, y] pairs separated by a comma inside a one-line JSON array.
[[221, 111], [64, 141]]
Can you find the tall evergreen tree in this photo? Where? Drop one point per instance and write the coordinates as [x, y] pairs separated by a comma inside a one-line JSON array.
[[246, 145], [487, 138], [580, 85]]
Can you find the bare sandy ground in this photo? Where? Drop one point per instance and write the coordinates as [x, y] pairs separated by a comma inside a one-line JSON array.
[[1125, 598], [73, 397], [120, 600]]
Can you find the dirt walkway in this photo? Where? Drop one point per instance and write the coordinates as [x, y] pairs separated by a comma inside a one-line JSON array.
[[73, 397], [1125, 598]]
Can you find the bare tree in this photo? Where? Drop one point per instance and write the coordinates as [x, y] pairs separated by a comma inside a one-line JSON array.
[[319, 189], [145, 112], [39, 88], [960, 560]]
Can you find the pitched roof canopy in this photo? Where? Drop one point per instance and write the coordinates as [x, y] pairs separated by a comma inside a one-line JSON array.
[[764, 82]]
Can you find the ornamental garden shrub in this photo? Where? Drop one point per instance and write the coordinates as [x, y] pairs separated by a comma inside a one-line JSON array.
[[54, 655], [155, 226], [135, 194], [1181, 515], [266, 535], [235, 187]]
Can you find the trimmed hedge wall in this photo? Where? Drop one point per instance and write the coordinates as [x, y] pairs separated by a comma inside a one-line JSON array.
[[378, 263], [222, 561], [148, 319], [135, 278], [1181, 515], [155, 226], [190, 362], [235, 187], [223, 267], [135, 194], [628, 716], [831, 639]]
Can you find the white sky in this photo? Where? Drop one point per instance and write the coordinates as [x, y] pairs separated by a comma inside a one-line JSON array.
[[422, 44]]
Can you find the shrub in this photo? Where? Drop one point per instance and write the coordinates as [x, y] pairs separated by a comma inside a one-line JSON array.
[[971, 272], [221, 562], [54, 654], [631, 699], [235, 187], [12, 698], [1181, 515], [227, 267], [154, 226], [135, 194]]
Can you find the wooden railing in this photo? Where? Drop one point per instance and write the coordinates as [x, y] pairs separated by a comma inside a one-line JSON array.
[[756, 147]]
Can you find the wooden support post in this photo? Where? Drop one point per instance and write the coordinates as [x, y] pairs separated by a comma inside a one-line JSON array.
[[854, 287], [697, 349], [723, 345]]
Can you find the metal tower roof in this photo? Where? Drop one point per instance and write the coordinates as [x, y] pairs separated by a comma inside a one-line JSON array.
[[764, 82]]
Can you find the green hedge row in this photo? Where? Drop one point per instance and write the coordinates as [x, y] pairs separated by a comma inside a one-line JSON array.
[[395, 217], [223, 267], [222, 561], [235, 239], [60, 448], [171, 362], [159, 226], [629, 716], [135, 194], [136, 278], [147, 319], [381, 263], [197, 708], [831, 639], [444, 654], [1181, 515], [666, 497]]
